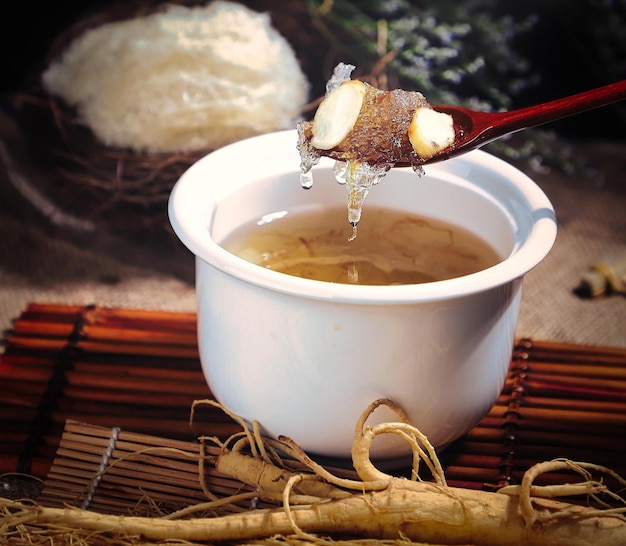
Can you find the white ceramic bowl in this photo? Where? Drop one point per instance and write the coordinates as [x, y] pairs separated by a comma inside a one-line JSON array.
[[306, 357]]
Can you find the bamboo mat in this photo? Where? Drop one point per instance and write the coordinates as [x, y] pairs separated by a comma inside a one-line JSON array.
[[116, 471], [134, 375]]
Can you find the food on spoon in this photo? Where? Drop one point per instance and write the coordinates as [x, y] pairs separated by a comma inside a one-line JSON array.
[[367, 131], [358, 122]]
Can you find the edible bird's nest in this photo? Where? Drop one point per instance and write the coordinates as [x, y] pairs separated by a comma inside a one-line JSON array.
[[78, 181]]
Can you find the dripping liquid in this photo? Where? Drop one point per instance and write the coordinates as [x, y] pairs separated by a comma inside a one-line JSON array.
[[393, 247]]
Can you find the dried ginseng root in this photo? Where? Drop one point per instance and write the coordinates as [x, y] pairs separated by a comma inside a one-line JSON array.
[[368, 131], [308, 504]]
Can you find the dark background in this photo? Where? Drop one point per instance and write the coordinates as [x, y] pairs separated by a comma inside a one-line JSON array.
[[576, 45]]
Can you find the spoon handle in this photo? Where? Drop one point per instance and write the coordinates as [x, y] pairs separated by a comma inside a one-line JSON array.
[[532, 116]]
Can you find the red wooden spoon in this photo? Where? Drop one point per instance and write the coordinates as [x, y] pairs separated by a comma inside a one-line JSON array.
[[475, 129]]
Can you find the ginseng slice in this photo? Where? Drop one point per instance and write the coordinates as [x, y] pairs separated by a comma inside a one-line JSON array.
[[337, 115], [430, 131]]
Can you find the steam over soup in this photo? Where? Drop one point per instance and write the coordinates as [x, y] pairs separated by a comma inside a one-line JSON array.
[[393, 247]]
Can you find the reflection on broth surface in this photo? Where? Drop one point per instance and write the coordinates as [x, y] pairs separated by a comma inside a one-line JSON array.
[[393, 247]]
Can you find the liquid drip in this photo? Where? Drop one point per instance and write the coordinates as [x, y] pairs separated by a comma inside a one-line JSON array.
[[354, 233], [340, 169], [356, 198], [306, 180], [353, 273], [309, 157], [359, 179]]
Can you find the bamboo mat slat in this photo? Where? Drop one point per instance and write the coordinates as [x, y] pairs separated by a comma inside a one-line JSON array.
[[138, 373]]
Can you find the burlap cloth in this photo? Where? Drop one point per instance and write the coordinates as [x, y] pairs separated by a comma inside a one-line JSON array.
[[40, 264]]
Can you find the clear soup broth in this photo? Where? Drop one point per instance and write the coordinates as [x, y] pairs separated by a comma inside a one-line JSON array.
[[392, 247]]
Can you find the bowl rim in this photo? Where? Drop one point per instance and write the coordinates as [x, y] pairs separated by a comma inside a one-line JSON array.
[[191, 218]]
